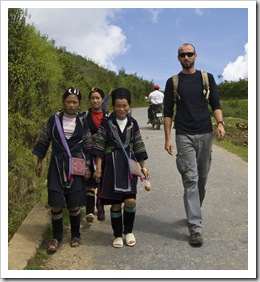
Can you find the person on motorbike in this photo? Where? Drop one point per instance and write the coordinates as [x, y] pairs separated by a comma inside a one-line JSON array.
[[155, 98]]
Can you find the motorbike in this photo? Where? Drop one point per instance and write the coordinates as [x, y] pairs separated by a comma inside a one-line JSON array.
[[158, 119], [157, 116]]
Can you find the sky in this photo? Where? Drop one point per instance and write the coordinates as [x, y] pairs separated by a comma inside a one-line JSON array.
[[144, 41]]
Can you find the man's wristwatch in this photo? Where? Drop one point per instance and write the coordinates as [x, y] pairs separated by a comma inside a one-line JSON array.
[[222, 122]]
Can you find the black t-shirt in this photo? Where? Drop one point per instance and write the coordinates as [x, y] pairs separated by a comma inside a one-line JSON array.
[[192, 111]]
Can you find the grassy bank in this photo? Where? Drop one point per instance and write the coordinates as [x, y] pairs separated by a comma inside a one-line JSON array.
[[235, 113], [236, 138]]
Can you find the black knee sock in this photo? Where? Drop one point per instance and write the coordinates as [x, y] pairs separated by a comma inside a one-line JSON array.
[[57, 225], [129, 218], [90, 202], [75, 223], [116, 222]]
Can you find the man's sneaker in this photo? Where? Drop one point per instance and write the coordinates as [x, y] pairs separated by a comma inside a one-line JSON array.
[[196, 239]]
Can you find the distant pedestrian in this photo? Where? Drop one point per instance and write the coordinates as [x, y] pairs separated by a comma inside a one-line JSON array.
[[155, 98], [118, 186], [194, 134], [93, 116], [70, 138]]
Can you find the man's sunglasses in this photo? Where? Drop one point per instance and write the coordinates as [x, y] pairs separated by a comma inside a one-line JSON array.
[[189, 54]]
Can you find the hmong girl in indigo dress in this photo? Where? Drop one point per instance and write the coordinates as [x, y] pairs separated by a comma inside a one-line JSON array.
[[93, 116], [112, 169], [64, 188]]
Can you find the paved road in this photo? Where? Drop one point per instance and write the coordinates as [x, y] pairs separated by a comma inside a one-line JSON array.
[[160, 227]]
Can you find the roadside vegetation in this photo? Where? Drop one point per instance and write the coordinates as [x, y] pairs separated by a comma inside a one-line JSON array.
[[235, 114], [39, 73]]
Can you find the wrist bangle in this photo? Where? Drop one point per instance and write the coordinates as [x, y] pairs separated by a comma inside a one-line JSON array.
[[144, 169]]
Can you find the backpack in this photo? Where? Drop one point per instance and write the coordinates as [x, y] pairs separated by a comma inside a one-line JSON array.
[[205, 79]]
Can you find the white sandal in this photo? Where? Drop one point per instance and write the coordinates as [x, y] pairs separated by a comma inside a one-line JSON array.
[[130, 239], [90, 217], [118, 242]]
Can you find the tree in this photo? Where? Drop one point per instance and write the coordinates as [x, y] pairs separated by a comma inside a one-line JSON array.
[[233, 89]]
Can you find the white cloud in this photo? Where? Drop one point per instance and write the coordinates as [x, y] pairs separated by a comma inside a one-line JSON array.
[[238, 69], [198, 12], [155, 14], [87, 32]]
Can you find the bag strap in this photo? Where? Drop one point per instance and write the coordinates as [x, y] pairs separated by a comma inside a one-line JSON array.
[[205, 80], [62, 136], [175, 80], [120, 144], [118, 140], [65, 144], [206, 88]]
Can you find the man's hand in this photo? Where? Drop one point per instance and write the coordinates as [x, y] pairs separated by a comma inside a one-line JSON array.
[[167, 122], [220, 131], [169, 147]]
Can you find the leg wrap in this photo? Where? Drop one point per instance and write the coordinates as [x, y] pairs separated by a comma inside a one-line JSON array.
[[90, 201], [116, 222], [129, 218], [75, 223], [57, 225]]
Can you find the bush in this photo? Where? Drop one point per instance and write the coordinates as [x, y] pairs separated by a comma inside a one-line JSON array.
[[233, 90], [235, 108]]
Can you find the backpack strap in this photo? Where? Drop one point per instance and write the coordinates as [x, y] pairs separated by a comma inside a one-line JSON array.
[[206, 88], [175, 80], [205, 80]]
